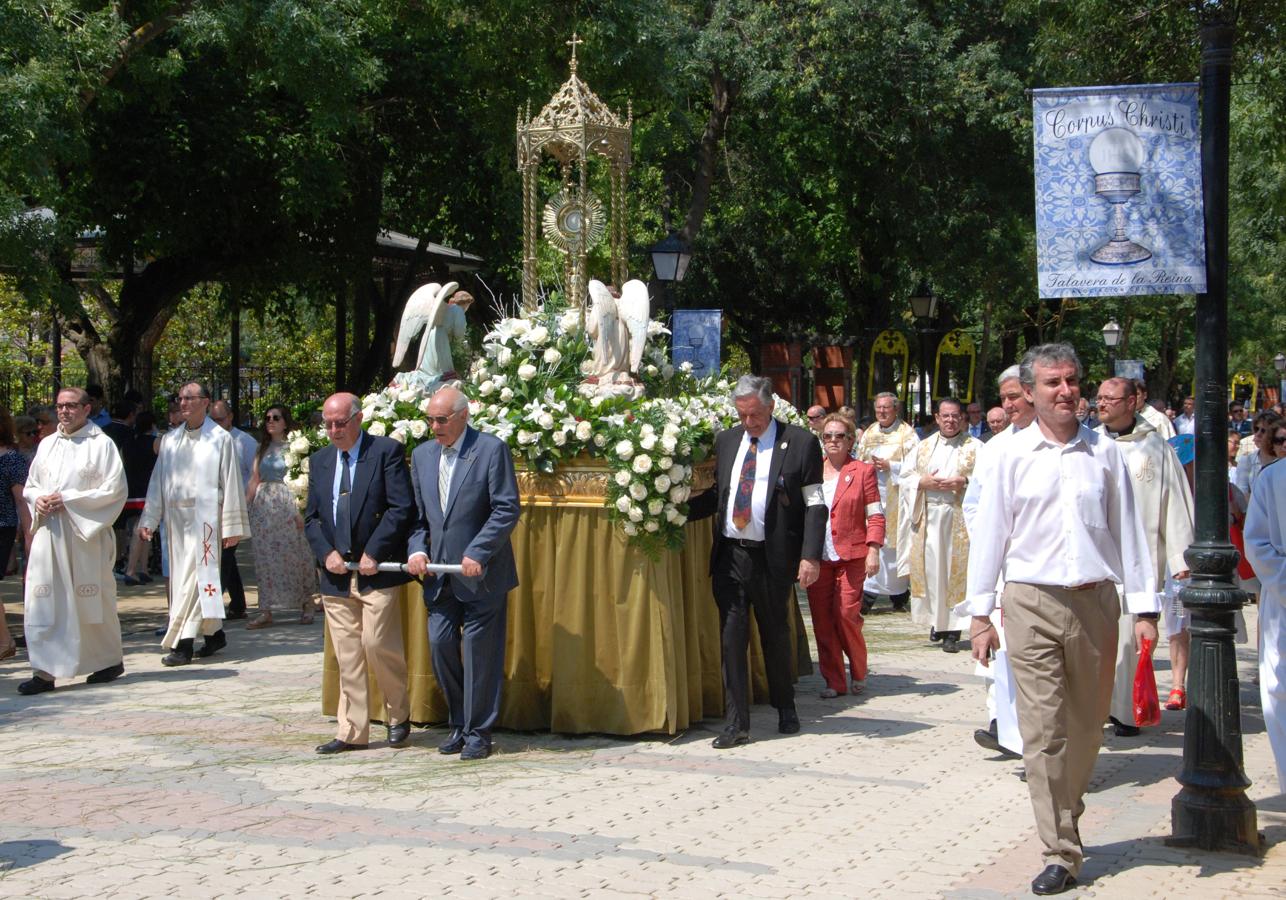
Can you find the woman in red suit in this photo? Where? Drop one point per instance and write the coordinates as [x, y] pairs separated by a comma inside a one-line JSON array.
[[854, 535]]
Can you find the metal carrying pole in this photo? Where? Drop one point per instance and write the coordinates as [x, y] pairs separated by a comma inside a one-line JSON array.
[[433, 568]]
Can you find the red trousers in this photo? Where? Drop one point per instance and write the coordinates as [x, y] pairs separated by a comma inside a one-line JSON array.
[[835, 602]]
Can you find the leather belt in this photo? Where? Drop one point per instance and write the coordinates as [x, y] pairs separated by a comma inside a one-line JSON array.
[[1082, 587], [749, 545]]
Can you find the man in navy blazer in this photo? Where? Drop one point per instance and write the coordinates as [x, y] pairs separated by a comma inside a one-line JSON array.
[[467, 498], [360, 510]]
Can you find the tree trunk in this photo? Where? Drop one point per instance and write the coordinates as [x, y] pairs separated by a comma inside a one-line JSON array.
[[723, 94]]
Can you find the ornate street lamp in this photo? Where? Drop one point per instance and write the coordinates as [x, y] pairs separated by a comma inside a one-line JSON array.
[[924, 306], [670, 258], [1211, 810], [1111, 337]]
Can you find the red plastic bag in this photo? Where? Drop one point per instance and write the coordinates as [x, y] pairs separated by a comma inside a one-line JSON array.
[[1147, 705]]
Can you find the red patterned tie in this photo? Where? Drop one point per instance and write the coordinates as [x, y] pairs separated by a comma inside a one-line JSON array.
[[745, 487]]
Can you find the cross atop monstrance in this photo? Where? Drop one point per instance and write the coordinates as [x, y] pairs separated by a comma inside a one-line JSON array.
[[573, 128]]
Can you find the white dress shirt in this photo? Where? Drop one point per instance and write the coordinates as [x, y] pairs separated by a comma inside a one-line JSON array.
[[1059, 515], [1184, 424], [754, 530]]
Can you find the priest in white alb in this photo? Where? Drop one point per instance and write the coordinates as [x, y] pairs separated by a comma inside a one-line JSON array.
[[933, 544], [76, 489], [886, 445], [1265, 534], [196, 487]]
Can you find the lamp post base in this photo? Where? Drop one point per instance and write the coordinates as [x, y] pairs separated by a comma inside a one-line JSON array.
[[1215, 820]]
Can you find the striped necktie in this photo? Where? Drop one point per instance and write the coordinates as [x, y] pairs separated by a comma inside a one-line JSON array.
[[445, 468]]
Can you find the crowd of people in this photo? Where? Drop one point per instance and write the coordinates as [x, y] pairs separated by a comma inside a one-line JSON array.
[[1046, 537]]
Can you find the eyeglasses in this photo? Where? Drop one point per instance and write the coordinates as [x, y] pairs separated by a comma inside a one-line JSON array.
[[273, 417], [69, 405], [191, 398], [441, 420], [332, 425], [32, 433], [1105, 399], [817, 416], [1238, 412], [1280, 439], [834, 436]]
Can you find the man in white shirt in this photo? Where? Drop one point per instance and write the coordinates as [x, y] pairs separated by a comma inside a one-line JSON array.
[[245, 448], [1064, 530], [1186, 421]]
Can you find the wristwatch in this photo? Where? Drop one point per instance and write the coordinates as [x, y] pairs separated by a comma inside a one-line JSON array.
[[1152, 617]]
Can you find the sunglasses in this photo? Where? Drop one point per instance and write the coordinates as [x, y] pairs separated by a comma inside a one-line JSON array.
[[1280, 440], [273, 417], [32, 433], [439, 420], [834, 436], [818, 416]]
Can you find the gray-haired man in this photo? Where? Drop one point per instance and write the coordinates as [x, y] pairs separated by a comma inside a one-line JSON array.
[[770, 525]]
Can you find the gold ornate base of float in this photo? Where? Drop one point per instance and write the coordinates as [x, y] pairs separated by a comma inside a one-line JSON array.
[[600, 638]]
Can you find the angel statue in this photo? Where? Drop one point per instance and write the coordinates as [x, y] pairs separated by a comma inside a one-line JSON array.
[[618, 327], [429, 307]]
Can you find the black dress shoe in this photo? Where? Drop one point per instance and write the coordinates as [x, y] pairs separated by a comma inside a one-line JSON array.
[[214, 643], [453, 744], [934, 635], [868, 604], [176, 658], [480, 750], [338, 746], [111, 673], [788, 721], [36, 685], [1054, 880], [987, 739], [1120, 729], [732, 736], [399, 734], [950, 645], [239, 614]]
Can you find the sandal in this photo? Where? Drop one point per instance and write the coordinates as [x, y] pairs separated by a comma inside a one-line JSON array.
[[263, 620], [10, 651], [1177, 699]]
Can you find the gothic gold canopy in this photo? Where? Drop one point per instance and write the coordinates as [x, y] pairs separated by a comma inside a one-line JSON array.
[[573, 128]]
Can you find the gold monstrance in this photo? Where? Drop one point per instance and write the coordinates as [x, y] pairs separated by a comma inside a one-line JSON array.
[[574, 126]]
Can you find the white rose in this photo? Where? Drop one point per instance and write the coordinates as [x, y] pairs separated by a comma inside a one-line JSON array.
[[648, 441], [475, 407], [584, 429], [407, 396], [500, 380], [676, 473], [664, 462], [638, 491], [304, 464], [622, 478], [596, 401], [654, 506], [526, 371], [686, 367], [623, 503], [678, 493], [669, 444], [560, 438], [636, 514], [552, 356], [667, 371], [671, 428], [519, 326], [652, 525], [545, 421], [526, 437], [486, 388], [505, 356], [624, 449], [398, 435], [299, 445], [642, 463], [538, 335], [424, 405], [506, 395], [650, 369], [587, 366], [662, 483], [586, 390], [569, 321], [600, 440], [673, 516], [377, 429], [629, 529], [419, 428]]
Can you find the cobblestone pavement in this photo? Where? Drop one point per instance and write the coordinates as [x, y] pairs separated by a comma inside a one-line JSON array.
[[203, 781]]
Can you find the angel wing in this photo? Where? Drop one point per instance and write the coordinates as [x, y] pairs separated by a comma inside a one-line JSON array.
[[636, 309], [605, 311], [415, 315]]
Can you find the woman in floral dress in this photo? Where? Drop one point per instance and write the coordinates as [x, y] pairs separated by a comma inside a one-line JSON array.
[[284, 563]]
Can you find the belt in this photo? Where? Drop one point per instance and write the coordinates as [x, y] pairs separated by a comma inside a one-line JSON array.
[[742, 542], [1081, 587]]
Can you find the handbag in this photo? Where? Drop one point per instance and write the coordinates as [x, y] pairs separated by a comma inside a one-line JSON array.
[[1147, 705]]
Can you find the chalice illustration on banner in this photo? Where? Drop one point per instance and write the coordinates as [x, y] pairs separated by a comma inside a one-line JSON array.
[[1116, 155]]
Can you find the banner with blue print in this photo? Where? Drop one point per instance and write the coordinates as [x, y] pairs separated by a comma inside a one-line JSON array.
[[695, 339], [1118, 191]]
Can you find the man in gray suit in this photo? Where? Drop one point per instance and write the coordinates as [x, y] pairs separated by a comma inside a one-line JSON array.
[[468, 504]]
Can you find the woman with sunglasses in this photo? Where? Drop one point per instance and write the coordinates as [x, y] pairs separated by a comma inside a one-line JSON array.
[[850, 555], [284, 565], [1250, 465]]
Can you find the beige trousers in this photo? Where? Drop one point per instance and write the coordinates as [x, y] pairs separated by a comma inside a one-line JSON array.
[[1062, 651], [366, 629]]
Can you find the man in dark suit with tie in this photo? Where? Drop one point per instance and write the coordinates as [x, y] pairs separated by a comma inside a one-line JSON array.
[[467, 499], [769, 528], [360, 509]]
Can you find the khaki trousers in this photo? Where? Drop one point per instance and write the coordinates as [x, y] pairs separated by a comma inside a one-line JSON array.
[[1062, 650], [366, 629]]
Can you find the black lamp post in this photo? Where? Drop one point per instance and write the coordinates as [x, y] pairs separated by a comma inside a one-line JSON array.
[[1279, 363], [924, 306], [670, 258], [1211, 810], [1111, 337]]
